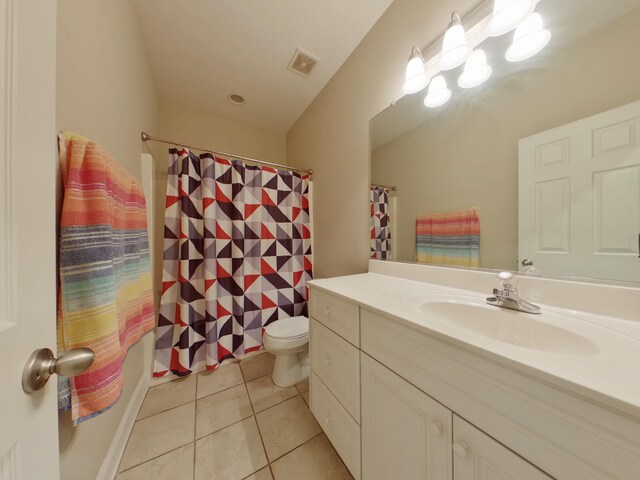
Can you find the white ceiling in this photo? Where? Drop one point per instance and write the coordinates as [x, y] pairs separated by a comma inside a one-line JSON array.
[[203, 50]]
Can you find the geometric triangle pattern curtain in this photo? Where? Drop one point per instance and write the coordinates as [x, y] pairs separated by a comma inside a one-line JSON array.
[[380, 224], [237, 256]]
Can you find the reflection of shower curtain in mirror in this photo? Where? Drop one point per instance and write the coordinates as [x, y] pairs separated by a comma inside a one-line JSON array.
[[237, 256], [380, 224]]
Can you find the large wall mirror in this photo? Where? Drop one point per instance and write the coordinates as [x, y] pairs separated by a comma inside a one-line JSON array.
[[535, 170]]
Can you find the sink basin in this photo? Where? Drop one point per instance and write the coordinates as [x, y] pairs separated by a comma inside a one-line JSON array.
[[539, 332]]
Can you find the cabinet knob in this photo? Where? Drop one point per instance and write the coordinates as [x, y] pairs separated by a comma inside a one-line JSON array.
[[326, 311], [327, 419], [461, 450], [436, 428]]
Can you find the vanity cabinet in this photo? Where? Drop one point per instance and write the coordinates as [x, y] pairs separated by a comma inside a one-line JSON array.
[[477, 456], [335, 374], [405, 433], [399, 402]]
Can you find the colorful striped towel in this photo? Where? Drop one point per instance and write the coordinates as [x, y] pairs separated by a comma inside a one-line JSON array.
[[105, 296], [449, 238]]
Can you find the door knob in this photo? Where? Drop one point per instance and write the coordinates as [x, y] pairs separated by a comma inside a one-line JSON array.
[[436, 428], [42, 364], [461, 449]]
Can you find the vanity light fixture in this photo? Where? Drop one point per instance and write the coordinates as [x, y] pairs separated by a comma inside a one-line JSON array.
[[455, 49], [476, 70], [529, 39], [438, 94], [416, 77], [508, 14]]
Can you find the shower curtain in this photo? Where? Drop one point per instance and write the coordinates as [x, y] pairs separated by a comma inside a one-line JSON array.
[[237, 256], [380, 224]]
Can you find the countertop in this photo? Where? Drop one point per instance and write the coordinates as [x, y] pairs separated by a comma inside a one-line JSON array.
[[610, 377]]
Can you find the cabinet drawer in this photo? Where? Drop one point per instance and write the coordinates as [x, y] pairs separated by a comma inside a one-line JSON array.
[[340, 428], [477, 456], [337, 363], [337, 314]]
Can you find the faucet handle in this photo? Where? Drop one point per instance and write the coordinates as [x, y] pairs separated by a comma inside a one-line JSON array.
[[507, 281]]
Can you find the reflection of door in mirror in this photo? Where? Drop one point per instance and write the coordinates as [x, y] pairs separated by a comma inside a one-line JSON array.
[[579, 196]]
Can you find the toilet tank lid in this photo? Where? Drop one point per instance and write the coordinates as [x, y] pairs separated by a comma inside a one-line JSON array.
[[292, 327]]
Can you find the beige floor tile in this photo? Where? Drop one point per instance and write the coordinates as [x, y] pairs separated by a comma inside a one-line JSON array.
[[175, 465], [286, 426], [230, 454], [161, 433], [315, 460], [264, 474], [168, 395], [257, 366], [303, 386], [264, 393], [225, 376], [305, 397], [221, 410]]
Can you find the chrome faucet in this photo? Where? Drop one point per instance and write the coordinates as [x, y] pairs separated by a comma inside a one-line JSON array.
[[507, 295]]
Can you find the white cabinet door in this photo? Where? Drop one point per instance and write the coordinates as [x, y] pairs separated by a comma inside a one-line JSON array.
[[579, 197], [476, 456], [28, 423], [405, 433]]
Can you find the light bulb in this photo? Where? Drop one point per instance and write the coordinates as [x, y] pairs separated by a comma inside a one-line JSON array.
[[529, 39], [508, 14], [455, 49], [438, 94], [476, 70], [416, 77]]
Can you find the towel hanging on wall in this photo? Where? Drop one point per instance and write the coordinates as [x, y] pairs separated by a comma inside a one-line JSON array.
[[105, 300]]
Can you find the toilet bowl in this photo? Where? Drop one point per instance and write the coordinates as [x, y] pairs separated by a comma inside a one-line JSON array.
[[288, 340]]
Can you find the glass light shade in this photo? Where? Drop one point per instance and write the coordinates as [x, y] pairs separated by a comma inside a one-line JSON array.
[[508, 14], [476, 70], [529, 39], [455, 49], [416, 78], [438, 93]]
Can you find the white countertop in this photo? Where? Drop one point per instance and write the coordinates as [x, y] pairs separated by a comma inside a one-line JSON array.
[[610, 377]]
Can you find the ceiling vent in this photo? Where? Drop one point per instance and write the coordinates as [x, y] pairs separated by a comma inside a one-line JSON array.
[[302, 63]]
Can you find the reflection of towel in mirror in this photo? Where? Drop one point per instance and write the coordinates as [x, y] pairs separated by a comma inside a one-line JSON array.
[[449, 238]]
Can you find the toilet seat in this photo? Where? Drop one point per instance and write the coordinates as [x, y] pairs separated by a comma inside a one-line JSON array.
[[288, 328]]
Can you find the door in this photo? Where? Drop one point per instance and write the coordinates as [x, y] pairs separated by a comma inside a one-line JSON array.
[[476, 456], [28, 423], [405, 433], [579, 197]]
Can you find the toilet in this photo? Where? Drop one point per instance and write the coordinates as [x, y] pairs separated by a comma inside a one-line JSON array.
[[288, 340]]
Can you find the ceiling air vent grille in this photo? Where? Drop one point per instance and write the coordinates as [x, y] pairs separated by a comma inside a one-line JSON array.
[[302, 63]]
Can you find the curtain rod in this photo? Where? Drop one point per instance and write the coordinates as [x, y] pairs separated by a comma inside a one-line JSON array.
[[394, 188], [145, 137]]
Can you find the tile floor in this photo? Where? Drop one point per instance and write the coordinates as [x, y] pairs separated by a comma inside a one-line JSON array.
[[230, 424]]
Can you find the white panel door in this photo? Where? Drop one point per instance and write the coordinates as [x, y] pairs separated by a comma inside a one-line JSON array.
[[405, 433], [28, 423], [579, 197], [476, 456]]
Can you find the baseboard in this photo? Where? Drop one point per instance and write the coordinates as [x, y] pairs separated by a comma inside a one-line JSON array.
[[109, 468]]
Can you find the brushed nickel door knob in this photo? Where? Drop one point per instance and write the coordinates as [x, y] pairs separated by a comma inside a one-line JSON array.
[[42, 364]]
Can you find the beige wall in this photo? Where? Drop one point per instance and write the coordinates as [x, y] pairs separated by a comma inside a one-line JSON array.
[[332, 136], [105, 91], [199, 128], [435, 171]]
